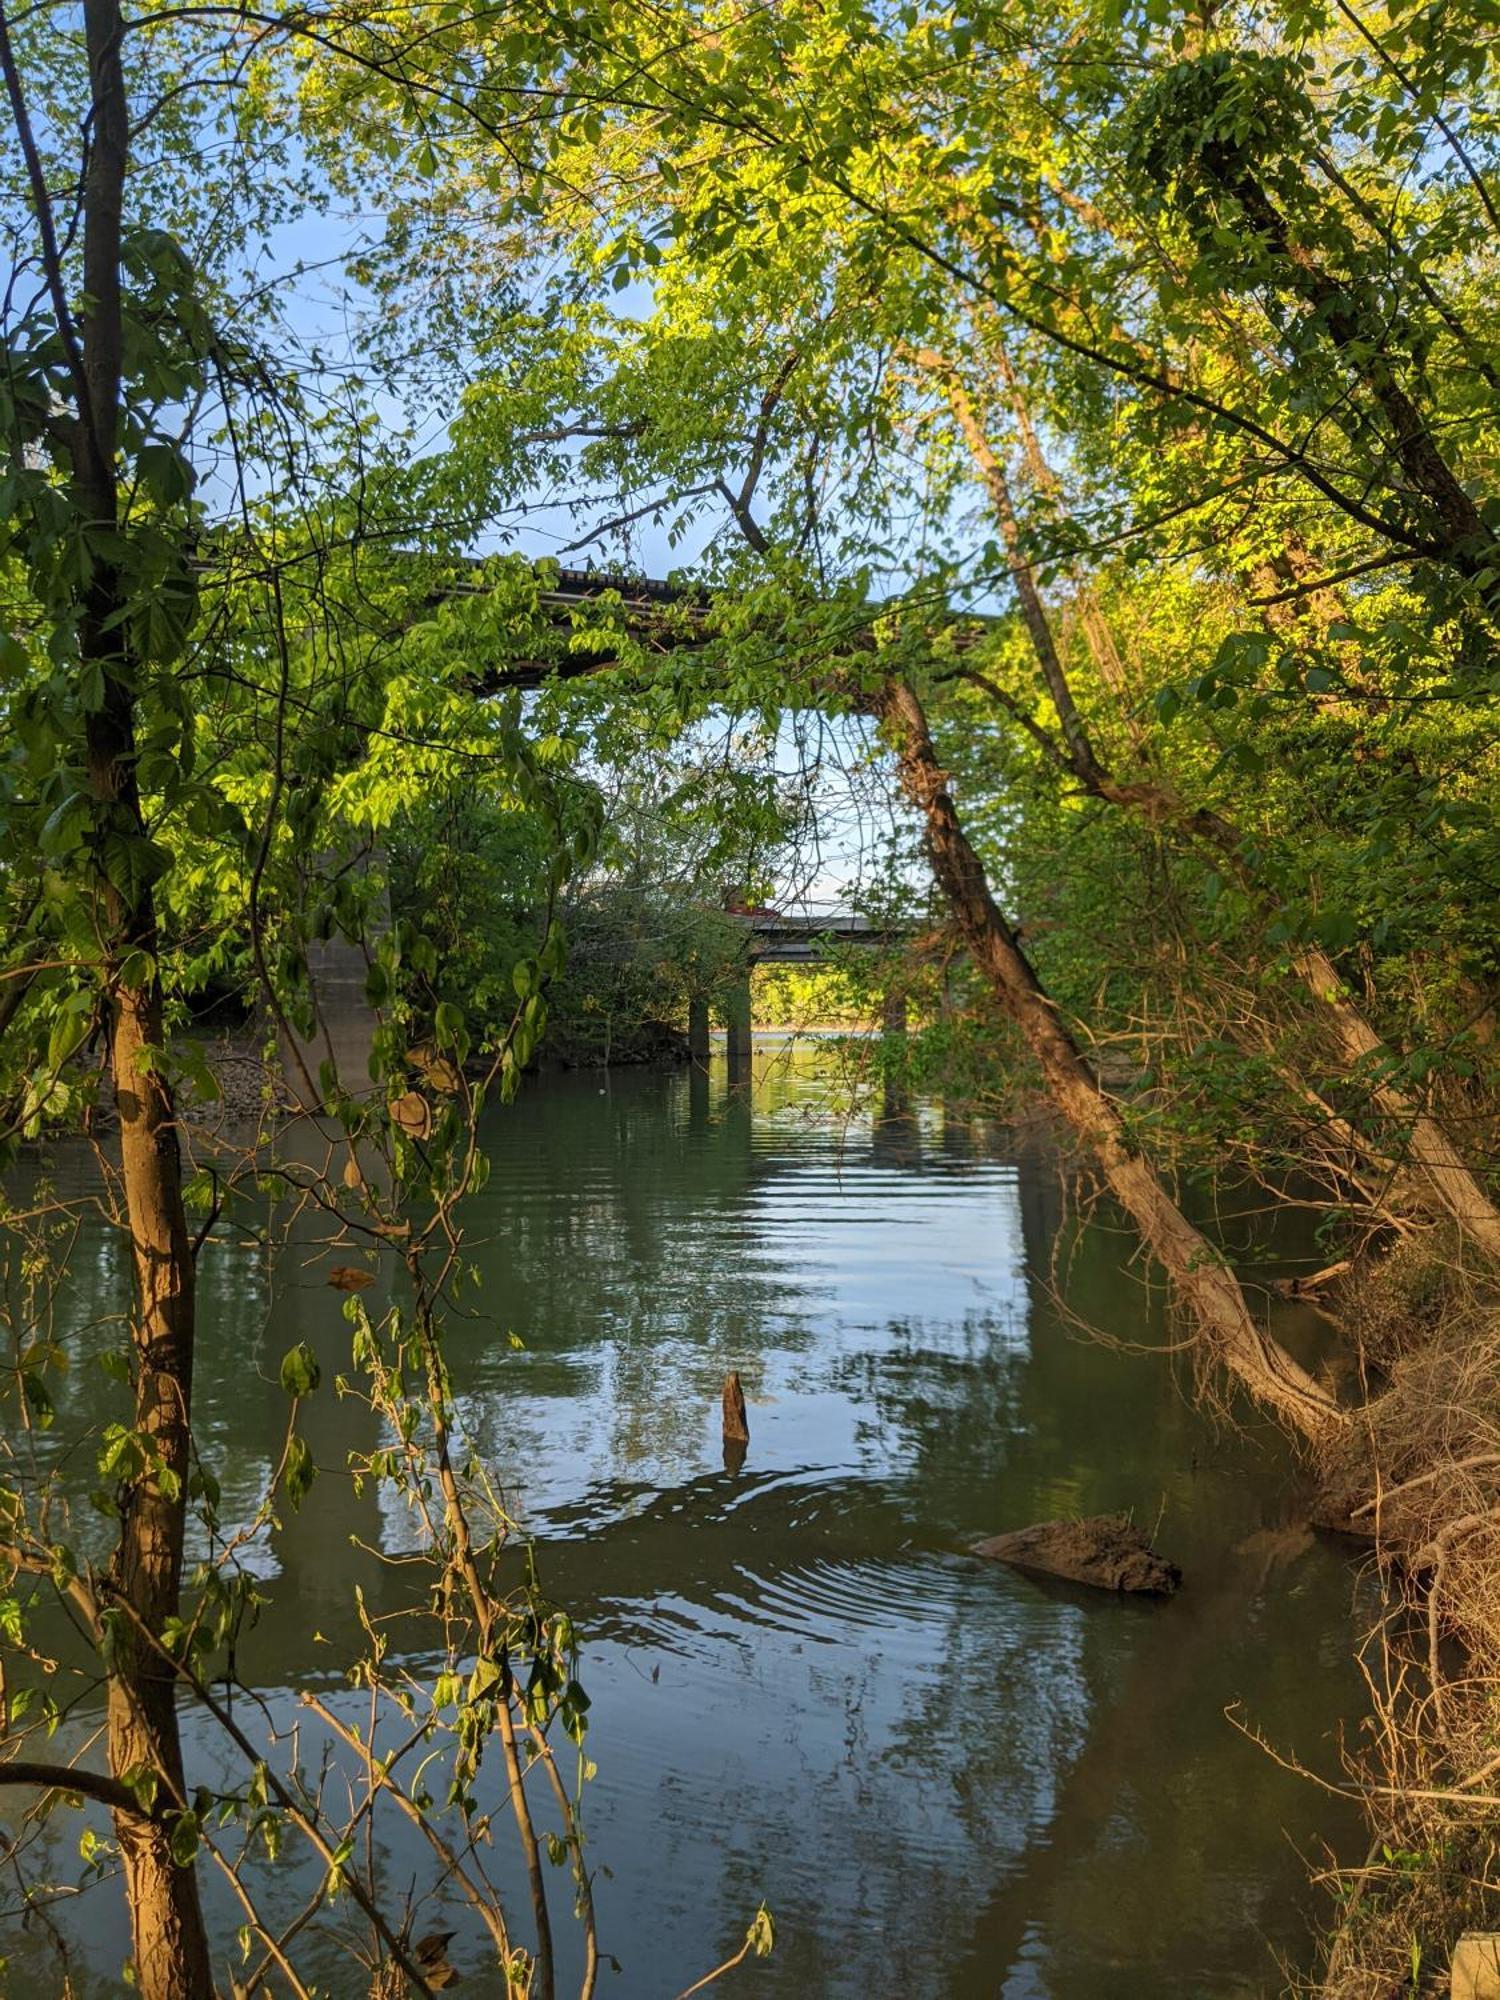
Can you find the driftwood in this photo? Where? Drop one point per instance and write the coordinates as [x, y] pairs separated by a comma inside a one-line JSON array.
[[1104, 1551]]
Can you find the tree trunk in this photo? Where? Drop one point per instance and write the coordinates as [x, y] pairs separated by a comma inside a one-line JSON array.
[[171, 1945], [1033, 612], [1430, 1153], [1356, 328], [171, 1950], [1098, 636], [1201, 1281]]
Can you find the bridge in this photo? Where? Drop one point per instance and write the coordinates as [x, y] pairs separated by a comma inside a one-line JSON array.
[[664, 617], [661, 616], [806, 936]]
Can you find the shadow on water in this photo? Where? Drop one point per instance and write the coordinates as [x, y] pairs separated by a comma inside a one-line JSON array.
[[944, 1779]]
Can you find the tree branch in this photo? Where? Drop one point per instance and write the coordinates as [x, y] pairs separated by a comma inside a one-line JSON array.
[[41, 201], [1047, 743], [95, 1785]]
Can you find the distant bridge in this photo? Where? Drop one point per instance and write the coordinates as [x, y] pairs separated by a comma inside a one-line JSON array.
[[661, 616], [804, 938]]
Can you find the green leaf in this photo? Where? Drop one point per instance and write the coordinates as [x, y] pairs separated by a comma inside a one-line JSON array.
[[37, 1400], [300, 1471], [300, 1373], [183, 1839], [122, 1456], [66, 826], [165, 473], [486, 1676], [69, 1028]]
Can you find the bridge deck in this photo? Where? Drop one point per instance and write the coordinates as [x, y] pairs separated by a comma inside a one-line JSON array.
[[805, 938], [660, 615]]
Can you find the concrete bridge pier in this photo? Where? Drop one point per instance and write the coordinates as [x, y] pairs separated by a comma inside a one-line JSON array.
[[344, 1030], [737, 1024], [698, 1101], [895, 1135], [897, 1138], [344, 1021]]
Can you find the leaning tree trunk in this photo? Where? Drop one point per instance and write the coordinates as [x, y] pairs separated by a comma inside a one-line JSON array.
[[172, 1960], [1450, 1186], [1430, 1153], [1201, 1281]]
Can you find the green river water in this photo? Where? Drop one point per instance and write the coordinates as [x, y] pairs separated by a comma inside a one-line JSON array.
[[945, 1780]]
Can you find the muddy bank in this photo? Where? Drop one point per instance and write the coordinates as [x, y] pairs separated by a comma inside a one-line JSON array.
[[1417, 1481]]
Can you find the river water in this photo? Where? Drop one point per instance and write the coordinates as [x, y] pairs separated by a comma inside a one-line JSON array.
[[945, 1780]]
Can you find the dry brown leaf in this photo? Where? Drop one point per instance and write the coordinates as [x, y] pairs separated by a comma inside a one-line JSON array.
[[412, 1113], [436, 1071]]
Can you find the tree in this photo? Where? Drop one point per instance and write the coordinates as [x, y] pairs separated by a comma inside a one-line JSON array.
[[225, 676], [1142, 248]]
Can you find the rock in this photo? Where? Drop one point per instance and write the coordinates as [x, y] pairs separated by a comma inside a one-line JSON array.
[[1104, 1551], [1476, 1966]]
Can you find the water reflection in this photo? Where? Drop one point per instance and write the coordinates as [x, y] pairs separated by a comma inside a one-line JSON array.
[[945, 1780]]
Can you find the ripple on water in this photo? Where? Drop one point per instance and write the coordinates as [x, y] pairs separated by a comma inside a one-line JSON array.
[[836, 1603]]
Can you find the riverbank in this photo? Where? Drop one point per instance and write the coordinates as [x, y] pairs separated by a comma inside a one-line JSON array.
[[1420, 1483]]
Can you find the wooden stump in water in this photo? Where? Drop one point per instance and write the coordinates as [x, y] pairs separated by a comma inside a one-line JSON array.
[[736, 1423]]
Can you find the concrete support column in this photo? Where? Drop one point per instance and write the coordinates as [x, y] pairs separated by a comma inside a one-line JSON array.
[[897, 1139], [895, 1135], [737, 1021], [698, 1043]]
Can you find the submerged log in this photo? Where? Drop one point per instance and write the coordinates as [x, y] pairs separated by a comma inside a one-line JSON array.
[[1104, 1551]]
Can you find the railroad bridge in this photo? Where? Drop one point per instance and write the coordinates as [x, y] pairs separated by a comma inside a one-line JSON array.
[[667, 617]]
